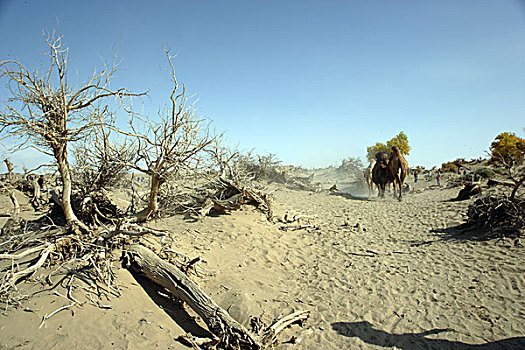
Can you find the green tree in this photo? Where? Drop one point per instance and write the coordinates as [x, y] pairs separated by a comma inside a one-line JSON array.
[[509, 150], [401, 141], [378, 147]]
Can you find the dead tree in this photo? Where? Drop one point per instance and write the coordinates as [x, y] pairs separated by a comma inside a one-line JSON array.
[[10, 168], [45, 111], [100, 163], [514, 169], [172, 146]]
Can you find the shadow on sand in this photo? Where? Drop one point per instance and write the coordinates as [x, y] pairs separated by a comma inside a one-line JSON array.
[[415, 341], [172, 307], [350, 196], [461, 232]]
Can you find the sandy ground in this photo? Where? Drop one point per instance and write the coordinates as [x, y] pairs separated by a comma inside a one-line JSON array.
[[376, 274]]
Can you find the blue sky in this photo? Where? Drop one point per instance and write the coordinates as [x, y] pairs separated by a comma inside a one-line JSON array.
[[311, 81]]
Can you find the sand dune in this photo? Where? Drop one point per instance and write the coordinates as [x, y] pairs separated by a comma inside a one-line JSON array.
[[376, 274]]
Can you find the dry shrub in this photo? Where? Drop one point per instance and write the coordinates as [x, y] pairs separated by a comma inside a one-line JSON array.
[[485, 173], [498, 216], [449, 168], [452, 167]]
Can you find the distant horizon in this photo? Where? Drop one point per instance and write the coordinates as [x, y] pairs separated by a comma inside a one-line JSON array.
[[18, 169], [311, 82]]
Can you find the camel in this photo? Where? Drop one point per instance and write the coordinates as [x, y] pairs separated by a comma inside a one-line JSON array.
[[368, 177], [398, 168], [380, 173]]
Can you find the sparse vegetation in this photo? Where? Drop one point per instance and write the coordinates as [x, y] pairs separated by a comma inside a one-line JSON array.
[[45, 111], [400, 140], [503, 214], [190, 172], [48, 113], [508, 151], [485, 173], [452, 167]]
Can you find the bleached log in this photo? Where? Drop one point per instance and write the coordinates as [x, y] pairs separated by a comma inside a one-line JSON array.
[[43, 257], [23, 254], [141, 232], [170, 277], [298, 217], [271, 333]]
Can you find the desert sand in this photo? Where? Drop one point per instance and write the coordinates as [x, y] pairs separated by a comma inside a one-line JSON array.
[[375, 274]]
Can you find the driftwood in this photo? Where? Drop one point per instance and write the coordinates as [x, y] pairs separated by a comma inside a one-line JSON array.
[[493, 182], [212, 195], [469, 190], [46, 251], [229, 332], [289, 218], [170, 277]]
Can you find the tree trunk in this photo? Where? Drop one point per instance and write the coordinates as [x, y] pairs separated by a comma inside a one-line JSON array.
[[153, 205], [516, 187], [65, 174], [10, 168]]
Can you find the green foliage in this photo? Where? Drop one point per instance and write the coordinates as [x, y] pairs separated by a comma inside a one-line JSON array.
[[400, 140], [378, 147], [508, 150]]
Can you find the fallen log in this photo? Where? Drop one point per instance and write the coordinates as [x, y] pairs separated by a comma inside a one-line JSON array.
[[219, 322], [493, 182], [270, 335], [229, 334], [469, 190]]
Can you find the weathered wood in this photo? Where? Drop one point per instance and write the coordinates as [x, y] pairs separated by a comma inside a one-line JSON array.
[[270, 335], [493, 182], [219, 322], [12, 224], [469, 190], [16, 207], [46, 251], [24, 253]]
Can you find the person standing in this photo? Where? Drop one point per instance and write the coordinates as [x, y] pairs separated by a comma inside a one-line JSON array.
[[438, 178]]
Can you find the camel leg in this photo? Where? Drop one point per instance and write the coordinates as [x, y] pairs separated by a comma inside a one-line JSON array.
[[400, 185]]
